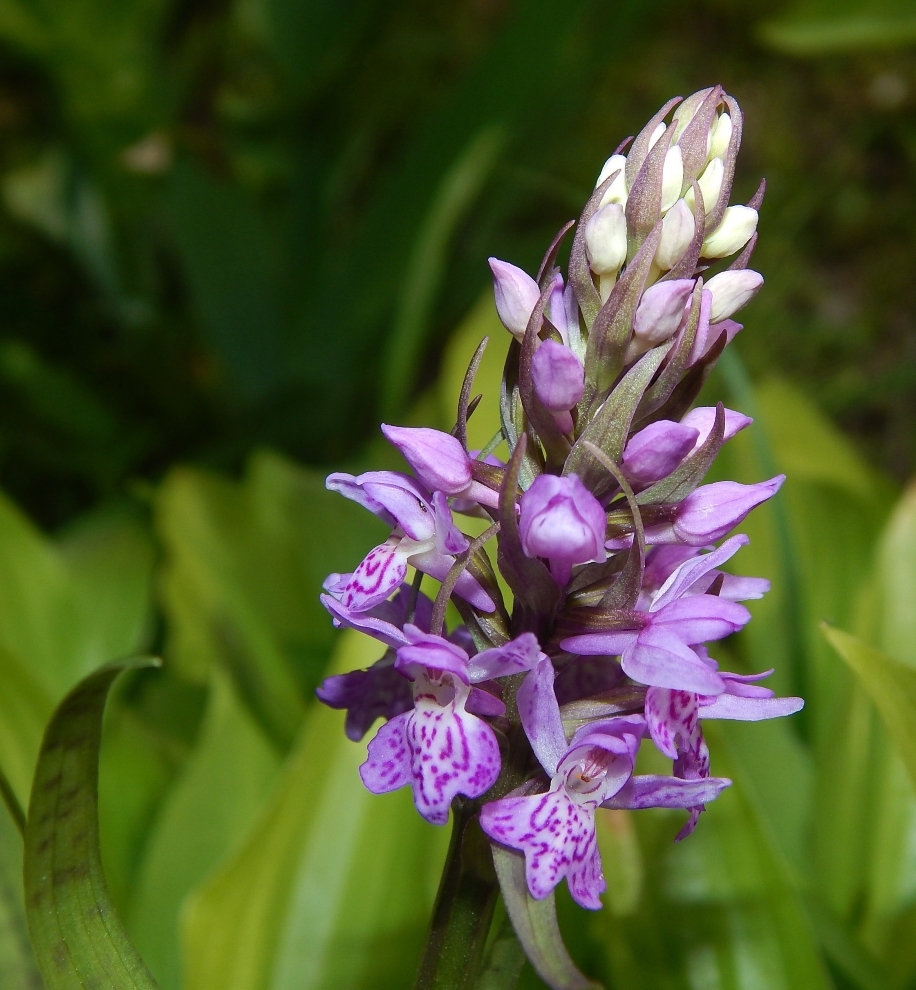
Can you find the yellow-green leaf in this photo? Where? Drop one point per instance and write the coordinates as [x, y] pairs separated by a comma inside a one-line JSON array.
[[890, 684], [79, 942]]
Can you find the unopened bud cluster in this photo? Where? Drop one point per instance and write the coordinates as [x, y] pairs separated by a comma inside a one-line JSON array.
[[532, 709]]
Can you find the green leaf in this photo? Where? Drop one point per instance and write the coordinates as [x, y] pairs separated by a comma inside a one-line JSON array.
[[25, 707], [333, 886], [891, 685], [67, 608], [246, 564], [821, 27], [17, 962], [78, 939], [744, 920], [206, 814], [64, 610], [895, 589], [231, 265], [426, 267], [535, 924]]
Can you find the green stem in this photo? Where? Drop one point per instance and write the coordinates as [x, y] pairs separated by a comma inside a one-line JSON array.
[[464, 910], [505, 959]]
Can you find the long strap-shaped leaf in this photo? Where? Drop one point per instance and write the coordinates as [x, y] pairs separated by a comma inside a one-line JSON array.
[[535, 924], [79, 941]]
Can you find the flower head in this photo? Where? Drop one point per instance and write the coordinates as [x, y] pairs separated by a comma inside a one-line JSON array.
[[604, 532]]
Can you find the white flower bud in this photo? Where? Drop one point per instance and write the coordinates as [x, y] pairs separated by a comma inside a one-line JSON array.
[[617, 193], [656, 134], [678, 228], [606, 239], [710, 183], [672, 177], [737, 227], [719, 135], [730, 291]]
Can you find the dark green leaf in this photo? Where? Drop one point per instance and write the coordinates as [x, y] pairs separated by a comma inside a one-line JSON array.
[[426, 266], [17, 963], [78, 939]]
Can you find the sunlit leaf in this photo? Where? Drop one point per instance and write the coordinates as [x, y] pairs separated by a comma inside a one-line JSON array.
[[17, 963], [890, 684], [333, 887], [740, 907], [246, 564], [207, 812], [67, 608], [895, 589], [78, 939], [25, 706]]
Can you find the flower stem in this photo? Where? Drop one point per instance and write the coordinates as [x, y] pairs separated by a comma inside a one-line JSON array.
[[464, 909]]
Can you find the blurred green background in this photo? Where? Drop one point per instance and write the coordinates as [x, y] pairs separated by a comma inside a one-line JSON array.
[[237, 234]]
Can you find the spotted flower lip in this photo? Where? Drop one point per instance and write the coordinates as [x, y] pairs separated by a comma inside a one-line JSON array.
[[424, 535], [383, 621], [438, 747], [555, 830]]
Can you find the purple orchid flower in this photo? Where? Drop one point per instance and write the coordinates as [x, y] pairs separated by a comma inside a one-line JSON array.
[[561, 520], [703, 418], [424, 535], [659, 653], [439, 747], [673, 721], [558, 377], [379, 692], [707, 514], [516, 294], [440, 462], [384, 621], [662, 561], [656, 451], [555, 830], [659, 315]]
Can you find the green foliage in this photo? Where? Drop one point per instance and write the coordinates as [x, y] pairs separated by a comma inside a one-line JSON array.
[[232, 227], [256, 222], [230, 874], [78, 940], [333, 886], [17, 963]]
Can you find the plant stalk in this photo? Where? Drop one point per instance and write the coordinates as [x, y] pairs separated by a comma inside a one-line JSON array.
[[468, 892]]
